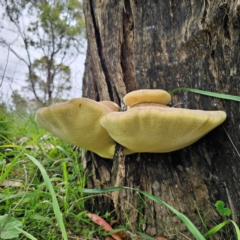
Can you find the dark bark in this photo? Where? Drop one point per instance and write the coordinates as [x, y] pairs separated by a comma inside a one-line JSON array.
[[136, 44]]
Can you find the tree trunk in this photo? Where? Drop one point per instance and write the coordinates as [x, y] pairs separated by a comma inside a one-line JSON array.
[[137, 44]]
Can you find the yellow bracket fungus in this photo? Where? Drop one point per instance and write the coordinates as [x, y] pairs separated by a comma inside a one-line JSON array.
[[151, 126], [78, 122], [148, 125]]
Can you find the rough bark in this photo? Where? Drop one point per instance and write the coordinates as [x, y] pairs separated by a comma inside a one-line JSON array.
[[137, 44]]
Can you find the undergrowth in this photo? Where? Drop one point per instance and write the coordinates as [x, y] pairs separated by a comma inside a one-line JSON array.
[[25, 200], [42, 193]]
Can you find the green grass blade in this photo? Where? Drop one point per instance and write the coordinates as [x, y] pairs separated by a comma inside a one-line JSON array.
[[28, 235], [145, 236], [11, 146], [101, 191], [56, 208], [8, 154], [207, 93], [65, 178], [4, 197], [10, 166], [236, 229], [64, 151], [43, 219], [54, 179], [215, 229]]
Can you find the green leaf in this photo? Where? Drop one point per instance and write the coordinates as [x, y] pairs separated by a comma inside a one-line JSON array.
[[207, 93], [221, 209], [9, 231]]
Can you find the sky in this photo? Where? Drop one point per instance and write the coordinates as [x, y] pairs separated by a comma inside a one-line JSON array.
[[13, 71]]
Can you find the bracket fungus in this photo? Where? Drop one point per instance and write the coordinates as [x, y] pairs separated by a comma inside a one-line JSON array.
[[78, 122], [155, 96], [148, 125], [151, 127]]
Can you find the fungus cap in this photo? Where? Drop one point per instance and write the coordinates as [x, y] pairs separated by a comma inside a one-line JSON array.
[[78, 122], [157, 129], [147, 96]]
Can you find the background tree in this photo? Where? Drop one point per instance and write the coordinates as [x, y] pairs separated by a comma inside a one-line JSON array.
[[61, 84], [20, 104], [55, 31], [163, 45]]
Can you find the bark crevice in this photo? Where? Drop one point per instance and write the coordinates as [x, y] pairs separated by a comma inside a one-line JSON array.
[[127, 50], [94, 58], [101, 53]]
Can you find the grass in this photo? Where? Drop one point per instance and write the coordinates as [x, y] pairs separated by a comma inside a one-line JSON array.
[[48, 201], [49, 198]]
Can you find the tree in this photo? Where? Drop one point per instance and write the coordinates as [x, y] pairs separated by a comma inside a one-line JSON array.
[[20, 104], [163, 45], [61, 73], [55, 31]]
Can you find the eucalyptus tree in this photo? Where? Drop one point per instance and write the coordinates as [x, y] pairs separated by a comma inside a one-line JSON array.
[[51, 34]]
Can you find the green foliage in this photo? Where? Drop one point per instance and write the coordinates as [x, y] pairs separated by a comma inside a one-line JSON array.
[[55, 16], [56, 207], [220, 206], [25, 233], [145, 236], [40, 71], [56, 31], [46, 202], [20, 104], [9, 225], [4, 126]]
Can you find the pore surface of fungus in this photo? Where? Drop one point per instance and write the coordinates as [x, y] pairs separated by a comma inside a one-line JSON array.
[[78, 122], [158, 129]]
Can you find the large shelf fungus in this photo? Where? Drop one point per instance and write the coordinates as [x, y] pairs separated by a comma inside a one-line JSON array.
[[151, 126], [148, 125], [78, 122], [158, 129]]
